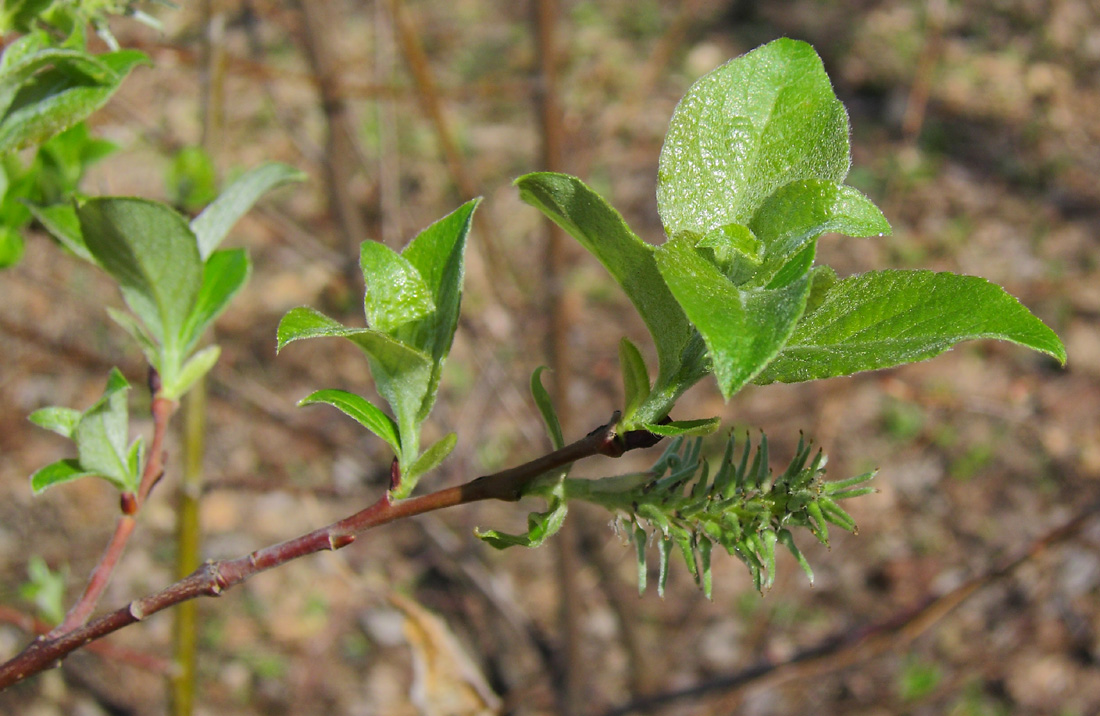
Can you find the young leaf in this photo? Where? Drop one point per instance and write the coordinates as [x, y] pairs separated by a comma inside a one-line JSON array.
[[801, 211], [683, 428], [50, 89], [149, 249], [755, 124], [401, 373], [60, 420], [62, 223], [193, 368], [360, 409], [546, 409], [101, 436], [223, 274], [438, 254], [540, 526], [743, 329], [886, 318], [635, 377], [396, 294], [429, 460], [599, 228], [212, 225]]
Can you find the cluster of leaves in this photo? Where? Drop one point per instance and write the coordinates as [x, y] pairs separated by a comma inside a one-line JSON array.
[[175, 281], [51, 177], [411, 305], [750, 177], [744, 507], [49, 83]]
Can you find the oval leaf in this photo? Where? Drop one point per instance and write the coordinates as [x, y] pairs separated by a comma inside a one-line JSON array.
[[396, 293], [635, 378], [886, 318], [742, 131]]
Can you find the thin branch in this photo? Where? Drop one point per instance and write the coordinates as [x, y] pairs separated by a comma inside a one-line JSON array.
[[839, 652], [78, 615], [214, 578]]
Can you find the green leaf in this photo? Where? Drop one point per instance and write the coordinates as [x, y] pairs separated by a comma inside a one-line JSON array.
[[192, 179], [101, 435], [599, 228], [746, 129], [743, 329], [438, 254], [801, 211], [58, 419], [732, 242], [193, 368], [396, 293], [214, 223], [49, 90], [360, 409], [64, 225], [540, 526], [677, 428], [223, 275], [401, 374], [11, 246], [152, 254], [429, 460], [139, 333], [546, 409], [635, 377], [886, 318]]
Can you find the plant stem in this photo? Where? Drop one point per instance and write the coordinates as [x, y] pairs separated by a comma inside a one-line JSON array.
[[214, 578], [154, 467]]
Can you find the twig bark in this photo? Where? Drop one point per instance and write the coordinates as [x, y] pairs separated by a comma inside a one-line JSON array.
[[162, 413], [214, 578]]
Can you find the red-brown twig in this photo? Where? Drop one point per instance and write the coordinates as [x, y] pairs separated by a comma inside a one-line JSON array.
[[78, 615], [214, 578]]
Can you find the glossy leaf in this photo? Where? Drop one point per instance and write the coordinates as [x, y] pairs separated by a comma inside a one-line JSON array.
[[214, 223], [746, 129], [438, 254], [360, 409], [396, 293], [886, 318], [599, 228], [801, 211], [743, 329]]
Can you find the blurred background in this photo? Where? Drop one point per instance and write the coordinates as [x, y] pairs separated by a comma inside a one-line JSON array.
[[974, 126]]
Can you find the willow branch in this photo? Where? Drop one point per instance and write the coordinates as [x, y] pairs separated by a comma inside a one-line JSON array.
[[162, 411], [214, 578]]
